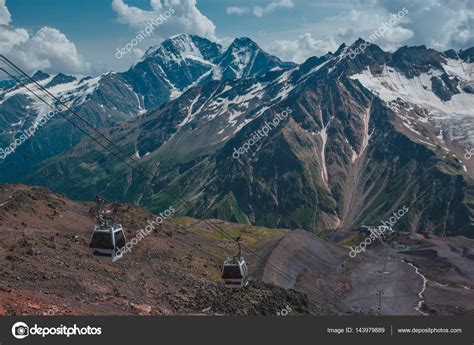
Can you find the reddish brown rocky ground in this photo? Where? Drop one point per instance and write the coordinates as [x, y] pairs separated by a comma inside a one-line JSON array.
[[46, 267]]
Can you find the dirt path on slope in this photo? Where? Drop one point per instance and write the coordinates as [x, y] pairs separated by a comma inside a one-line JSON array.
[[399, 284]]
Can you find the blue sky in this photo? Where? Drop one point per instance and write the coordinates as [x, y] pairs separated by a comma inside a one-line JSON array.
[[81, 36]]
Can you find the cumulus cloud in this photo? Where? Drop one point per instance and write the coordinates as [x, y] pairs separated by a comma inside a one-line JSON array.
[[302, 48], [48, 49], [259, 11], [11, 37], [186, 18]]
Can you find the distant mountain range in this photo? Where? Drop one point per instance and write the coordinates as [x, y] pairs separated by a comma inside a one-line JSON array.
[[164, 73], [366, 135]]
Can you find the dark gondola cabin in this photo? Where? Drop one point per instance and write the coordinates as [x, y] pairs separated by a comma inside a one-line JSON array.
[[106, 239], [235, 273]]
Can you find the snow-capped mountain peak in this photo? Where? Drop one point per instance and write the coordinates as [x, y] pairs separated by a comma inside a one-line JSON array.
[[182, 47]]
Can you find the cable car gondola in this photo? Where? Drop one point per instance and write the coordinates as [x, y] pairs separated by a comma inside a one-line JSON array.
[[234, 271], [106, 239]]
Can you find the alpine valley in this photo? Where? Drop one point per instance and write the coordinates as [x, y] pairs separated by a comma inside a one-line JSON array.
[[365, 137]]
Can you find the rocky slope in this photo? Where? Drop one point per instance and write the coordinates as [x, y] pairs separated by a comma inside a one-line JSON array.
[[46, 267], [164, 73]]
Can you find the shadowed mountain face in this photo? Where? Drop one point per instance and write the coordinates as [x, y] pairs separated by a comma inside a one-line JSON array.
[[164, 73], [361, 139]]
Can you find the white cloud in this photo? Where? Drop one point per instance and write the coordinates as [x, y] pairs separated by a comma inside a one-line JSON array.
[[138, 53], [395, 37], [259, 11], [135, 16], [186, 18], [5, 17], [302, 48], [11, 37], [237, 10], [362, 23], [445, 24], [271, 7], [441, 24], [50, 50]]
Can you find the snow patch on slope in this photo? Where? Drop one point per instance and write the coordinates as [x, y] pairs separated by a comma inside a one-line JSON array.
[[324, 138], [392, 86]]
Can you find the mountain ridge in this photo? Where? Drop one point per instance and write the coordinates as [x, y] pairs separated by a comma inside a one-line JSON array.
[[111, 97], [366, 137]]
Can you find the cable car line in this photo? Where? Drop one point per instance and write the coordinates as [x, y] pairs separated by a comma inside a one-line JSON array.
[[107, 238], [65, 117], [87, 123], [143, 169], [73, 123], [181, 202], [234, 270], [90, 125], [63, 104]]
